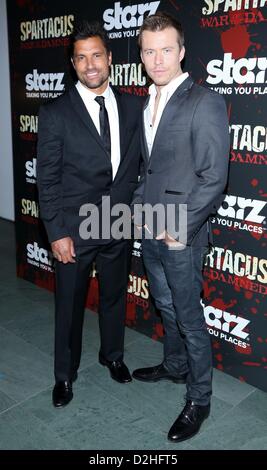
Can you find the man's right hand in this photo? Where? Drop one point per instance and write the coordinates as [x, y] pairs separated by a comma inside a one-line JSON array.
[[63, 250]]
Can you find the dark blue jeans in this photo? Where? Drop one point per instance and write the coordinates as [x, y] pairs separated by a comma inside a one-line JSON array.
[[175, 281]]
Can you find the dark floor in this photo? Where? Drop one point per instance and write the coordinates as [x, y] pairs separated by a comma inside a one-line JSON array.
[[103, 413]]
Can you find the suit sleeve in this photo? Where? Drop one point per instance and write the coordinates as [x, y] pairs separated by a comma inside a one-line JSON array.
[[210, 139], [49, 174]]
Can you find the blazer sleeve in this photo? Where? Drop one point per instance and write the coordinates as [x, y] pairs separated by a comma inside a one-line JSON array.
[[49, 173], [211, 143]]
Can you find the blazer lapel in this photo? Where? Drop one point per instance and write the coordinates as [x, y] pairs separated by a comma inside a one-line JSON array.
[[170, 109], [81, 110], [144, 147]]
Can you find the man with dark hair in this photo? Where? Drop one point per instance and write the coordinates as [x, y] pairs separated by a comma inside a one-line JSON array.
[[88, 153], [84, 30], [185, 147]]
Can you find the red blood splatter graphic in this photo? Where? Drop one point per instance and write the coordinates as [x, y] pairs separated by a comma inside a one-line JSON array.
[[249, 295], [254, 310], [219, 357], [219, 303], [47, 283], [252, 364], [236, 40], [208, 290], [216, 345], [146, 315], [260, 340], [92, 295], [247, 351], [158, 328], [242, 379], [30, 5], [254, 182], [256, 235], [216, 231], [219, 366], [131, 313]]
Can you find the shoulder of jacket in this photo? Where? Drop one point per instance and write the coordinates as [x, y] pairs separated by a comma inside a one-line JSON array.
[[203, 91], [56, 103]]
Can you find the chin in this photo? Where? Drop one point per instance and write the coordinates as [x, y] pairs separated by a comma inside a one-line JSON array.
[[161, 82], [92, 85]]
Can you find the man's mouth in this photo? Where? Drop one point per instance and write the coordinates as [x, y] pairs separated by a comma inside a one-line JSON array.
[[91, 74]]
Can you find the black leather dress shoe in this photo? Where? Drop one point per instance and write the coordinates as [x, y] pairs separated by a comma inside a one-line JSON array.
[[62, 394], [118, 370], [156, 373], [188, 422]]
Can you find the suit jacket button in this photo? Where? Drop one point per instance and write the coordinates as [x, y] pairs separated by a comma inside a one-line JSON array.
[[150, 172]]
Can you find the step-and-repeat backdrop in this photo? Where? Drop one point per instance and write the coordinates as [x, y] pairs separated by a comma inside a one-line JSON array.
[[226, 43]]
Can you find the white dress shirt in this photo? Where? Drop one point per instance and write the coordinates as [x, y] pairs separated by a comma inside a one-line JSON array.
[[166, 93], [92, 107]]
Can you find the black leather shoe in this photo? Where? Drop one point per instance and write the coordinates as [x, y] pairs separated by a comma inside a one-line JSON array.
[[156, 373], [188, 422], [118, 370], [62, 394]]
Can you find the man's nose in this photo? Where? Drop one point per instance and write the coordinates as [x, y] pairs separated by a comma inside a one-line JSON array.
[[89, 63], [158, 58]]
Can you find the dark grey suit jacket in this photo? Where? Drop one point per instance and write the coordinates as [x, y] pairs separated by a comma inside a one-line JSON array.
[[189, 159]]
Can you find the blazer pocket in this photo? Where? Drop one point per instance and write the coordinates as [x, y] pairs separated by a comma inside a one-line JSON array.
[[174, 192]]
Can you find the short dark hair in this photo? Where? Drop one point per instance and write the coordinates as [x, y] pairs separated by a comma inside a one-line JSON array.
[[87, 29], [159, 22]]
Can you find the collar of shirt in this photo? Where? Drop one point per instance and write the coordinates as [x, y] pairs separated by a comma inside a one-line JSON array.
[[87, 94], [168, 90]]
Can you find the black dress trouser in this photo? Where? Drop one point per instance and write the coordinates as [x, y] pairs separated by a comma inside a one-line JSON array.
[[113, 262]]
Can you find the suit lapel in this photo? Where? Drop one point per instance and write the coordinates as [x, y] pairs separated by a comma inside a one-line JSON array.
[[170, 110], [144, 147], [81, 110]]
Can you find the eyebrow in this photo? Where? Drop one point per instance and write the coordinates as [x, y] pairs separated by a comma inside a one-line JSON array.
[[152, 49]]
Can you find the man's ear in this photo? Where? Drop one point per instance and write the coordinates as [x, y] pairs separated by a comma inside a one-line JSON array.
[[141, 55], [109, 58], [72, 61], [182, 54]]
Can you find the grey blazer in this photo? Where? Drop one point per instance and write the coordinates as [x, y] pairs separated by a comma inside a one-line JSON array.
[[189, 159]]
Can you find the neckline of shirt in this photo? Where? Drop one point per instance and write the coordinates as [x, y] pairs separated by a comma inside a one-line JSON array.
[[86, 93]]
